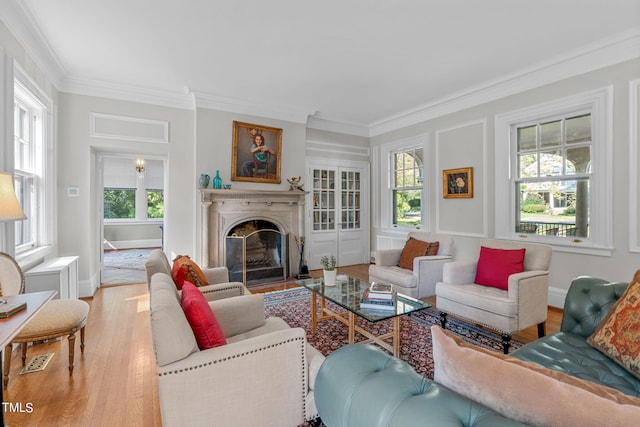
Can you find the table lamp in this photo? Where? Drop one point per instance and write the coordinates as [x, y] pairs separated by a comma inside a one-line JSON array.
[[10, 209]]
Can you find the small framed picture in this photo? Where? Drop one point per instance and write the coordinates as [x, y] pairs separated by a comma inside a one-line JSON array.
[[457, 183], [256, 153]]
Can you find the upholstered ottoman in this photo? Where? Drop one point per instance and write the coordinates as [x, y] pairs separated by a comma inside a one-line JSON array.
[[56, 319]]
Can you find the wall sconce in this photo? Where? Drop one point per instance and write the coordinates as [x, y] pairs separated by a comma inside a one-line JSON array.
[[140, 166]]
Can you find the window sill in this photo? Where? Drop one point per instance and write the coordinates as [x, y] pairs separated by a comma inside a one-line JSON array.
[[132, 222], [582, 248], [30, 258]]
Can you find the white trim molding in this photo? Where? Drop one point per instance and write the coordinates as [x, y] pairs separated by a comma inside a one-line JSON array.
[[478, 190], [634, 205], [160, 127], [599, 103]]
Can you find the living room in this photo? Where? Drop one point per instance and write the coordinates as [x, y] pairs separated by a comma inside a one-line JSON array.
[[192, 130]]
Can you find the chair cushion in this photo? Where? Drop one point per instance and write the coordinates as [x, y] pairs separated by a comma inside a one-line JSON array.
[[56, 318], [393, 274], [496, 265], [184, 269], [200, 316], [414, 248], [617, 335]]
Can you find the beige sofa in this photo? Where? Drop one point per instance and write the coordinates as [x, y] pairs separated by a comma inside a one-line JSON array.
[[219, 286], [264, 375]]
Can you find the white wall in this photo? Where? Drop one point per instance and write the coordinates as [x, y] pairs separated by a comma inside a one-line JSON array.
[[78, 217], [466, 138], [214, 131]]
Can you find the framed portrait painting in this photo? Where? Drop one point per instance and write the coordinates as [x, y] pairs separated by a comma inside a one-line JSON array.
[[256, 153], [457, 183]]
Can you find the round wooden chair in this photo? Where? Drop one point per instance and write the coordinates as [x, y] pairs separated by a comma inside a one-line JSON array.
[[56, 319]]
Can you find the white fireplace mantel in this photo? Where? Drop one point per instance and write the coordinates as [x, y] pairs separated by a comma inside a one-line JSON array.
[[224, 209]]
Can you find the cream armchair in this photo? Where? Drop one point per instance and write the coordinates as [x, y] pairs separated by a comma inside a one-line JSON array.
[[263, 376], [524, 304], [219, 286], [427, 270]]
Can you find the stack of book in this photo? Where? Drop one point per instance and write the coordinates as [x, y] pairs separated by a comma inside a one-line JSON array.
[[379, 296]]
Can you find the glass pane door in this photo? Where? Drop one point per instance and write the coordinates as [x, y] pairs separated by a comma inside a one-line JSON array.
[[324, 190], [350, 200]]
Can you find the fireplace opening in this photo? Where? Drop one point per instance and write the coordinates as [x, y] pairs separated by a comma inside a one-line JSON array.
[[257, 252]]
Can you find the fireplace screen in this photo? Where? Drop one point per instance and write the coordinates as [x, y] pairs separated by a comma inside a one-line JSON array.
[[257, 252]]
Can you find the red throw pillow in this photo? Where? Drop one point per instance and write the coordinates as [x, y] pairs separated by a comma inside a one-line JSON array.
[[185, 270], [203, 322], [496, 265]]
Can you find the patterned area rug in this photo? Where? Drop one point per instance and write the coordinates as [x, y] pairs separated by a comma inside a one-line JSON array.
[[293, 305]]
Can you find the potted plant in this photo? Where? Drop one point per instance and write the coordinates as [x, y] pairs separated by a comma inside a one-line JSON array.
[[329, 269]]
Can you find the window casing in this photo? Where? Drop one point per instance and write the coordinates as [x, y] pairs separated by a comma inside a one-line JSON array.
[[407, 187], [551, 177], [557, 188], [29, 159]]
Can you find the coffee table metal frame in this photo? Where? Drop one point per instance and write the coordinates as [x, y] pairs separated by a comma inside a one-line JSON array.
[[347, 294]]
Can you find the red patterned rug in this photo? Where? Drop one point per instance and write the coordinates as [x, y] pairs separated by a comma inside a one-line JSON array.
[[293, 305]]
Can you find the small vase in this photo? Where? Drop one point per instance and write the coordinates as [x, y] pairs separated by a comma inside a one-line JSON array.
[[217, 181], [330, 277], [204, 180]]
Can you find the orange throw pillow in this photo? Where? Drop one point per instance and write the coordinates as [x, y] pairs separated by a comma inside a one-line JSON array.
[[617, 334], [415, 248], [186, 270]]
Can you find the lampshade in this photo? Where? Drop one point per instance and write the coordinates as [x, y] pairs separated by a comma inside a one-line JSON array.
[[9, 207]]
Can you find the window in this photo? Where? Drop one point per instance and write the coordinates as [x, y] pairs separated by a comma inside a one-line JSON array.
[[119, 203], [406, 188], [132, 196], [29, 151], [558, 186], [553, 169]]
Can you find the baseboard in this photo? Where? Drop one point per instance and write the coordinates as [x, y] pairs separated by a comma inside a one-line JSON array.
[[132, 244], [557, 297], [86, 288]]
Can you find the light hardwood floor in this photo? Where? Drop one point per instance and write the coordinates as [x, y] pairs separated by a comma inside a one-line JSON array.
[[114, 381]]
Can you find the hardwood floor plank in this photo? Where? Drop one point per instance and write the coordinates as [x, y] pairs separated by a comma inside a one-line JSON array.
[[115, 381]]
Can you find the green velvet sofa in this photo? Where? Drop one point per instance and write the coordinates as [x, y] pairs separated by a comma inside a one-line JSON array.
[[360, 385]]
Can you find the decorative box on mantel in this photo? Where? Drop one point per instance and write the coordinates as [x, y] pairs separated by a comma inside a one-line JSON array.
[[224, 210]]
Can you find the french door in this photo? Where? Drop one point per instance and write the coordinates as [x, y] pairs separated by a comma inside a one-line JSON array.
[[337, 221]]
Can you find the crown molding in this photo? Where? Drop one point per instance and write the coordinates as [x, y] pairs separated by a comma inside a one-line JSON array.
[[252, 108], [338, 126], [126, 92], [607, 52], [19, 20]]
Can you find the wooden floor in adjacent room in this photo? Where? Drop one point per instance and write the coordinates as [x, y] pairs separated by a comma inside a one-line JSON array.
[[114, 381]]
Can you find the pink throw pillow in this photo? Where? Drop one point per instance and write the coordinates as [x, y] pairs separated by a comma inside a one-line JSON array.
[[496, 265], [203, 322]]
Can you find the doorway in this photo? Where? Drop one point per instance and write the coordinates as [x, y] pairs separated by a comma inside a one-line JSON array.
[[132, 215], [337, 212]]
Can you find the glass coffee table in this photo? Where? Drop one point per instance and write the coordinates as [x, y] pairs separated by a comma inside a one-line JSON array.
[[347, 294]]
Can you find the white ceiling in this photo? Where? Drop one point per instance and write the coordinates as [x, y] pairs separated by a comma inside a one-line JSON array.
[[357, 62]]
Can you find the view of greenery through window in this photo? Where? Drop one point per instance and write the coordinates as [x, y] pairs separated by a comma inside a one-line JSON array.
[[554, 161], [121, 203], [407, 187], [155, 204]]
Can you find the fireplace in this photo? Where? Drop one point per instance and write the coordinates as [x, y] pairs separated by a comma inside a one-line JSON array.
[[241, 212], [256, 251]]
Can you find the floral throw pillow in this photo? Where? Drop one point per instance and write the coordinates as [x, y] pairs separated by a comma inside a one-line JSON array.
[[185, 270], [617, 335]]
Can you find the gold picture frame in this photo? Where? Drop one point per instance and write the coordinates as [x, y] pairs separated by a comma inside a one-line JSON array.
[[457, 183], [256, 153]]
